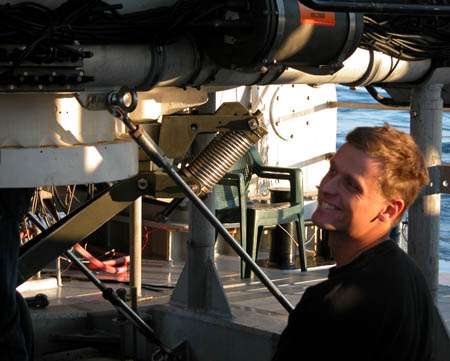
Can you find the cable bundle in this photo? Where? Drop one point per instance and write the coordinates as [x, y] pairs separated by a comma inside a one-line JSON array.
[[50, 35], [95, 21], [408, 38]]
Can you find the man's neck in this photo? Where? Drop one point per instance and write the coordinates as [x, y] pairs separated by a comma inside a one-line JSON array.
[[345, 249]]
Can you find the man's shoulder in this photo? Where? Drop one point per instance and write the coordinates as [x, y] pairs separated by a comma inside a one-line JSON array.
[[384, 271], [386, 258]]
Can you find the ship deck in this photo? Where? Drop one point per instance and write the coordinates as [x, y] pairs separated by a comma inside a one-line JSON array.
[[78, 297]]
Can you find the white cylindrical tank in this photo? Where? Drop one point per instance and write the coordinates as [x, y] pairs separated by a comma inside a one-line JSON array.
[[49, 139]]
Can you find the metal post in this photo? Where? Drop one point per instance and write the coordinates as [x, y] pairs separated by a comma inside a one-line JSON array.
[[135, 251], [199, 287], [423, 224], [58, 272]]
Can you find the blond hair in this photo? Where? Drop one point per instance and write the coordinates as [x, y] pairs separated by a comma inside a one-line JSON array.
[[403, 168]]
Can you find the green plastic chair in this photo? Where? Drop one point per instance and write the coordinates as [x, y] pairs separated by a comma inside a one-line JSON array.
[[232, 205]]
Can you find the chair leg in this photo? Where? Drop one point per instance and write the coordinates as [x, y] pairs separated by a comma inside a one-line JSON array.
[[244, 233], [301, 242], [253, 235], [255, 250]]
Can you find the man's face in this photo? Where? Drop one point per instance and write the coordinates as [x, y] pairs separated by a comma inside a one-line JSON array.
[[350, 199]]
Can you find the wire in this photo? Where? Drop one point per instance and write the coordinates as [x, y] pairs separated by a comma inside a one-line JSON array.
[[147, 234], [115, 265], [47, 35], [408, 37], [99, 264], [289, 234]]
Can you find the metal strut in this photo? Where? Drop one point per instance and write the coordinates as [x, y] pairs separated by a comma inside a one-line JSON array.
[[124, 102], [121, 306]]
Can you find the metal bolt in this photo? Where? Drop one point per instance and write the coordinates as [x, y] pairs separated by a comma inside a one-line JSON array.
[[253, 124], [194, 127], [194, 187], [142, 184]]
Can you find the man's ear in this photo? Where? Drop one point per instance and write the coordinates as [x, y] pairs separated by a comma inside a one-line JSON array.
[[392, 210]]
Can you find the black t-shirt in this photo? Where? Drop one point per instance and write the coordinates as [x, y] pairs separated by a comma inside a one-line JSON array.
[[378, 307]]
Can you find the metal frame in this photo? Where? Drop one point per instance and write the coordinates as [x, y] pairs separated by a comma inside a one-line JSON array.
[[151, 149], [79, 224]]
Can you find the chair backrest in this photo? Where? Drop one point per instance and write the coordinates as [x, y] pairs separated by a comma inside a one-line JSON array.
[[227, 196]]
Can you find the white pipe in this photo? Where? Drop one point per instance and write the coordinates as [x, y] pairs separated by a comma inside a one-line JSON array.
[[181, 64], [385, 69], [357, 69]]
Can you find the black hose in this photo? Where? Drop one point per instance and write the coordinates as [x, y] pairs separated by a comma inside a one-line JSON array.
[[385, 101], [375, 7]]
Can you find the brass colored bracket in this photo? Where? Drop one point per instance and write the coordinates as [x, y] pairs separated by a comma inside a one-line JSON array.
[[179, 131], [162, 186]]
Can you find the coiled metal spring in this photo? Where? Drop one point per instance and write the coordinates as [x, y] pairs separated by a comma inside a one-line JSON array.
[[217, 158]]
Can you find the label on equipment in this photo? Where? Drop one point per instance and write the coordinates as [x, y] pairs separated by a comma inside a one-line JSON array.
[[314, 17]]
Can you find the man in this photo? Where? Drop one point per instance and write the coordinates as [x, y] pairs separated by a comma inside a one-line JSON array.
[[375, 304], [13, 206]]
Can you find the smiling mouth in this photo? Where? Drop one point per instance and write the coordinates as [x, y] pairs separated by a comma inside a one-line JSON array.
[[327, 205]]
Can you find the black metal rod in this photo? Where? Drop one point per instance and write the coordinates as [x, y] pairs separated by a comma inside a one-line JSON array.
[[34, 219], [169, 209], [118, 303], [152, 150], [378, 7], [109, 294]]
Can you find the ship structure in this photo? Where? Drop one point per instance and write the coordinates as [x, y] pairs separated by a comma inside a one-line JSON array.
[[163, 129]]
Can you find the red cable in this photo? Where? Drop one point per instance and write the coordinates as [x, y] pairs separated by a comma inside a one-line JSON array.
[[99, 264], [147, 234], [112, 262], [110, 266]]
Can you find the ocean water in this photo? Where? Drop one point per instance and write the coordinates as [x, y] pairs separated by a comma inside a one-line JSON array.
[[352, 118]]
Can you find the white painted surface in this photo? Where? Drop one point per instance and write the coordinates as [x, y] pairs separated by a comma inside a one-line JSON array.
[[48, 139], [31, 167], [33, 120]]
